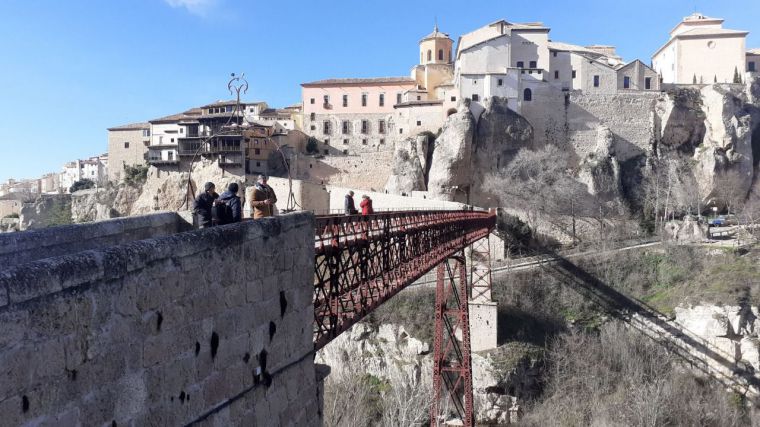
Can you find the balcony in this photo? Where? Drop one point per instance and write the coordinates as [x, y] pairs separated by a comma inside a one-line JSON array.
[[155, 160], [226, 162]]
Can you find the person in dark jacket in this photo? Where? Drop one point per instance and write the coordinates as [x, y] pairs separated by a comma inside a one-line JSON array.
[[349, 205], [234, 208], [366, 205], [203, 205]]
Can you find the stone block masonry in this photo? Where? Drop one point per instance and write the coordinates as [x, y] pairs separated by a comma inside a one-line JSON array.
[[31, 245], [206, 327]]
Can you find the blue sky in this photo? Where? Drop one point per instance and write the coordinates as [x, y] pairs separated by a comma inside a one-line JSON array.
[[72, 68]]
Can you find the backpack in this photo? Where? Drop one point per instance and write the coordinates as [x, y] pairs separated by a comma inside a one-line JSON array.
[[222, 212]]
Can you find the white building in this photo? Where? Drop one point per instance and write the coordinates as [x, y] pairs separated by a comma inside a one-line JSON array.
[[700, 50]]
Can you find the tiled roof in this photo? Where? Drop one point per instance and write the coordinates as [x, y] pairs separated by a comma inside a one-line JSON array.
[[132, 126], [192, 113], [373, 80], [222, 103], [753, 51], [435, 35]]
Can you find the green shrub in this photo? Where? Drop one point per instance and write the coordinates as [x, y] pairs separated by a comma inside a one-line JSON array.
[[82, 184], [312, 145], [135, 175], [13, 215]]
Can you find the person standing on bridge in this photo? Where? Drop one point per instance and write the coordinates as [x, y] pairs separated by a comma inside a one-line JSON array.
[[204, 204], [228, 207], [366, 205], [348, 204], [263, 200]]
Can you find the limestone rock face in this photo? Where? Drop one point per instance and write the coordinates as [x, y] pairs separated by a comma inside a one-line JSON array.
[[47, 210], [679, 122], [724, 161], [600, 170], [500, 134], [450, 173], [166, 191], [408, 173], [686, 231]]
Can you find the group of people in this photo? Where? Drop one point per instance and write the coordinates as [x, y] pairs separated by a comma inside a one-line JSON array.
[[212, 209], [350, 208]]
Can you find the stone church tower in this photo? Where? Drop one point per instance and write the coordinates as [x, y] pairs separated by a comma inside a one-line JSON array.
[[436, 67]]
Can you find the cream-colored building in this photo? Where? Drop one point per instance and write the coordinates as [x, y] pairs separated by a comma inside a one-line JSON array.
[[753, 60], [701, 51], [127, 146]]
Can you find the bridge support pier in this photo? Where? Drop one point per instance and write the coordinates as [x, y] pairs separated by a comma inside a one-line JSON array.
[[483, 309]]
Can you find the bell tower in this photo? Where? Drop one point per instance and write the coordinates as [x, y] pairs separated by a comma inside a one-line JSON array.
[[435, 48]]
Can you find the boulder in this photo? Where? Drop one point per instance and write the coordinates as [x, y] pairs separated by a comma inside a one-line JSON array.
[[408, 173], [687, 231], [450, 173]]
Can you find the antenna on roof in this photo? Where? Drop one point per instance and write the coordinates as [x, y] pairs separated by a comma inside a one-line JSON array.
[[435, 28]]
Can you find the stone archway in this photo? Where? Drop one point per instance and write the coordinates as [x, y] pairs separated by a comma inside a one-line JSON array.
[[451, 111]]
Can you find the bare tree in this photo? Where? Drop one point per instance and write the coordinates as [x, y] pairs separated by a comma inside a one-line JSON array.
[[407, 402], [346, 400]]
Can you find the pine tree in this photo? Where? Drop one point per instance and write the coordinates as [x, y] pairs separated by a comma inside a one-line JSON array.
[[694, 80], [701, 80], [715, 80], [737, 77]]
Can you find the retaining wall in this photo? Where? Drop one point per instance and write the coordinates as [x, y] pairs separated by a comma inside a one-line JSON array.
[[206, 327]]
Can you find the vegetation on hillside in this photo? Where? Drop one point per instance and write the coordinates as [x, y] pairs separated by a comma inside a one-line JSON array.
[[135, 175], [82, 184]]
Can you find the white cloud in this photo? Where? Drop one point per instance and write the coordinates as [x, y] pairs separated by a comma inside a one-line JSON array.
[[197, 7]]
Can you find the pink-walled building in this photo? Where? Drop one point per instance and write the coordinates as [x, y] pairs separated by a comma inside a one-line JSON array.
[[352, 115]]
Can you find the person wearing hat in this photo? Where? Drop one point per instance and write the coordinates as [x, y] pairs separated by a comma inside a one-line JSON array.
[[348, 204], [203, 205], [263, 200], [229, 204], [366, 205]]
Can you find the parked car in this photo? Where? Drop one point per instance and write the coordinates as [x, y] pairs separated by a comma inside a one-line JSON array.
[[723, 221]]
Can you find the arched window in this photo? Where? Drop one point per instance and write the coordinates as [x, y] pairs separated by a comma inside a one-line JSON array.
[[430, 55], [440, 54], [527, 95]]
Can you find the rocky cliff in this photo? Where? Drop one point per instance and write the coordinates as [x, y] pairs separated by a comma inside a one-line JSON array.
[[450, 175]]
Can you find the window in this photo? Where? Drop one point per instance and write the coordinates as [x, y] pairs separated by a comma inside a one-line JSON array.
[[327, 141], [648, 83], [365, 126], [181, 130], [345, 142], [440, 54], [345, 127], [596, 81], [626, 82], [257, 151], [345, 100], [419, 98], [499, 82], [453, 99], [573, 73], [419, 123], [751, 66], [364, 142], [146, 132], [398, 98], [475, 97], [401, 130], [533, 64], [326, 152], [554, 54], [312, 127], [345, 152], [170, 155], [172, 140], [126, 145], [327, 100], [312, 116], [520, 64], [382, 141], [382, 99], [326, 127], [430, 55], [556, 75], [364, 100], [381, 126], [527, 95], [258, 164], [311, 101]]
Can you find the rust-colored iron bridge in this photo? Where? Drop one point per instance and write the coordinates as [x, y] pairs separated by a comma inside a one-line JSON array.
[[362, 261]]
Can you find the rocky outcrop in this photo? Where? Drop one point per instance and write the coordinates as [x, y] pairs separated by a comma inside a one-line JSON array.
[[408, 173], [687, 231], [450, 173], [167, 191], [600, 170], [46, 211], [500, 134]]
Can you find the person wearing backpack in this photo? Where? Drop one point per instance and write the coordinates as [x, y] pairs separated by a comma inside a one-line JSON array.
[[229, 209], [204, 204]]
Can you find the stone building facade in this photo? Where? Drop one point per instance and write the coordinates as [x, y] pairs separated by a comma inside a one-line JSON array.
[[127, 146]]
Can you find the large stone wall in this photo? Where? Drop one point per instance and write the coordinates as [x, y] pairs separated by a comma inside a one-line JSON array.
[[31, 245], [210, 326], [573, 118]]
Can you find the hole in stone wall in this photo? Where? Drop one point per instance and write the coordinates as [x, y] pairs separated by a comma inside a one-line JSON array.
[[283, 304], [24, 404], [72, 374], [182, 397], [113, 423], [247, 357], [159, 320], [272, 330], [197, 348], [262, 358], [214, 344]]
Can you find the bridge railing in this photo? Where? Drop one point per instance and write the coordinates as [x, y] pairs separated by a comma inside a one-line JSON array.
[[362, 261]]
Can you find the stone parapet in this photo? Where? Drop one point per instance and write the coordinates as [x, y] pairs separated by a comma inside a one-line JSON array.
[[210, 326]]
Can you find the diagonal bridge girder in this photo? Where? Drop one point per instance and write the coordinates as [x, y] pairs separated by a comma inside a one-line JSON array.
[[362, 261]]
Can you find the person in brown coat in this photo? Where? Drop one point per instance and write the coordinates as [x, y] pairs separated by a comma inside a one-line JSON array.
[[263, 200]]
